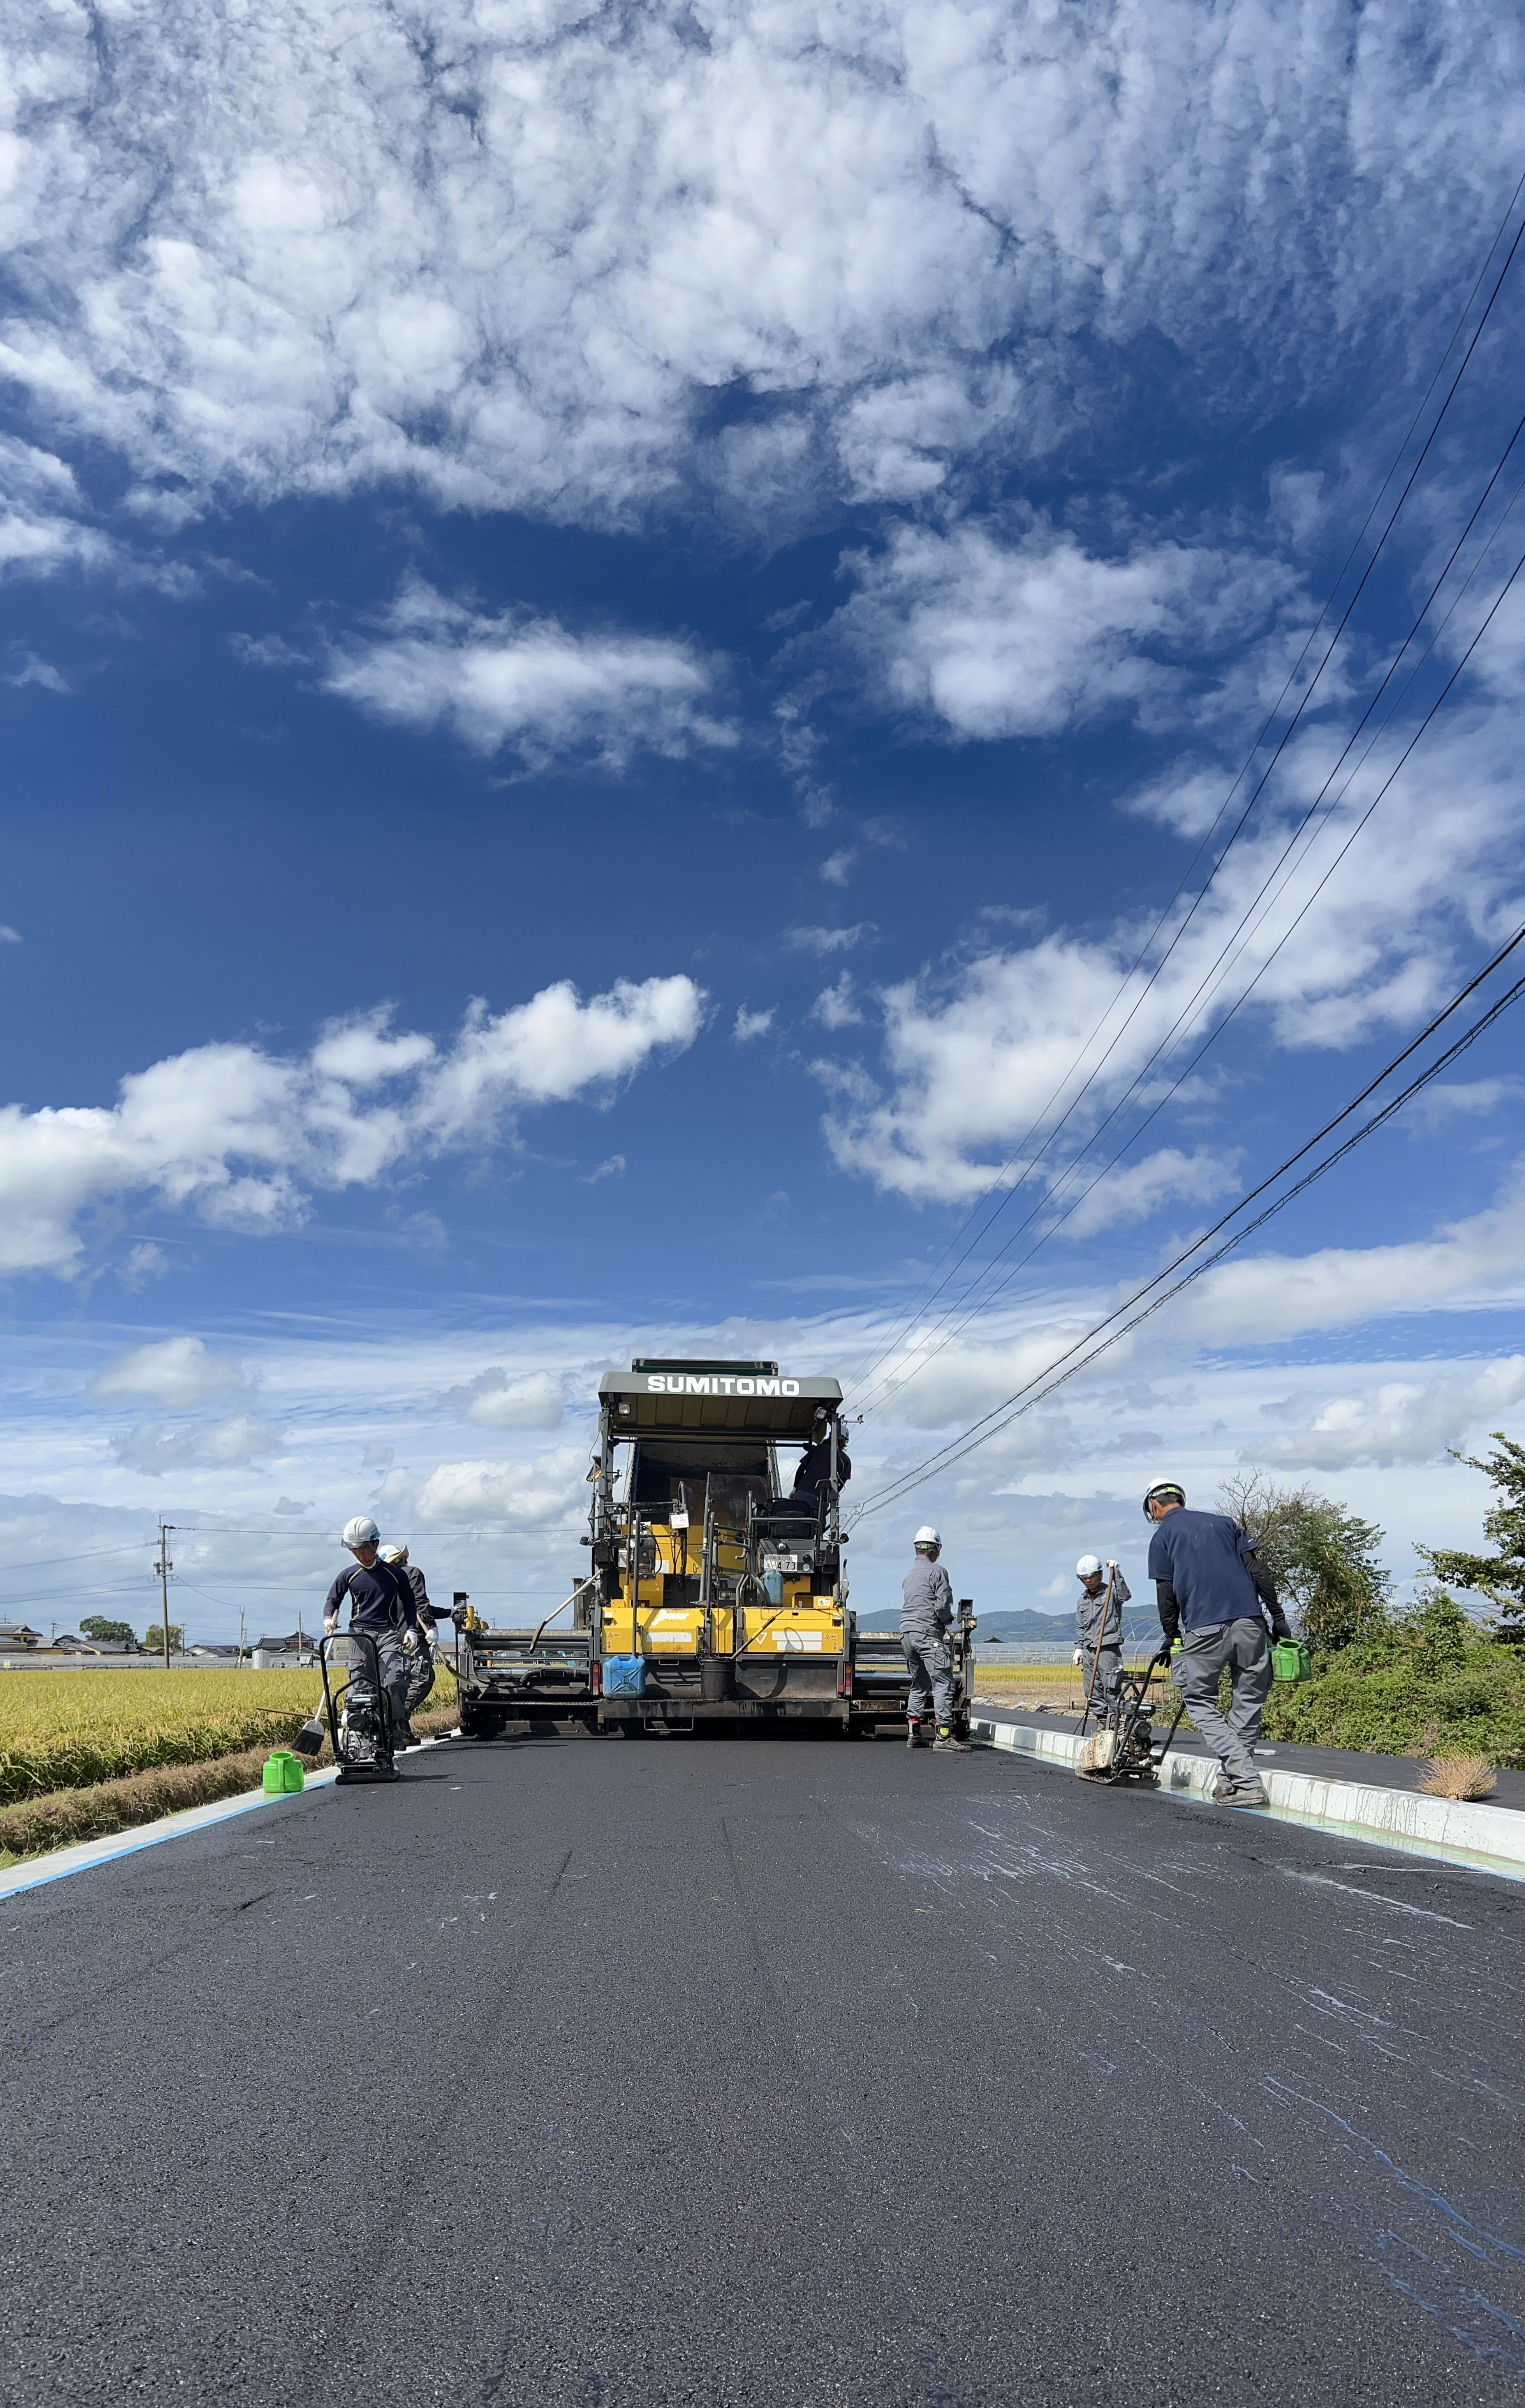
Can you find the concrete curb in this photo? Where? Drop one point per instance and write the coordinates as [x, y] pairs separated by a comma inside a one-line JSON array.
[[1473, 1834], [60, 1862]]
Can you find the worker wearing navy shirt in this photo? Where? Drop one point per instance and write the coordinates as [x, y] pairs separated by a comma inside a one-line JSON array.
[[1214, 1595], [382, 1605]]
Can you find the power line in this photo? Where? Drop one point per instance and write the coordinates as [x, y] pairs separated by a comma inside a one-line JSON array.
[[1055, 1375], [970, 1304], [996, 1185], [45, 1563]]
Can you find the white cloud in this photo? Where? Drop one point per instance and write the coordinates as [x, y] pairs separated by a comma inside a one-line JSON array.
[[901, 441], [9, 936], [836, 1006], [1390, 1421], [987, 637], [41, 528], [239, 1136], [1453, 1099], [827, 942], [1140, 1189], [493, 1401], [216, 1447], [509, 262], [34, 670], [531, 684], [611, 1167], [177, 1374], [144, 1261], [974, 1053], [548, 1492], [1469, 1264], [838, 866], [750, 1024]]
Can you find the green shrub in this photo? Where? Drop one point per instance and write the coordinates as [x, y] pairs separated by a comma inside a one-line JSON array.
[[1429, 1684]]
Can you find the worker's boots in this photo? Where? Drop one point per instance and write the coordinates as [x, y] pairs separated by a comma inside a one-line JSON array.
[[1227, 1792], [946, 1740], [915, 1734]]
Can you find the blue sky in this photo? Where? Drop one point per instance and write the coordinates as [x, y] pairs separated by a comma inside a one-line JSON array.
[[616, 626]]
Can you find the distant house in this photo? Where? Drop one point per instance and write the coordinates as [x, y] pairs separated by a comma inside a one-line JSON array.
[[279, 1655], [14, 1636], [101, 1646], [213, 1654]]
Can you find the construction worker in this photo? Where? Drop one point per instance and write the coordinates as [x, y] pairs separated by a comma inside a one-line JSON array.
[[1098, 1627], [813, 1472], [382, 1607], [925, 1614], [420, 1680], [1216, 1596]]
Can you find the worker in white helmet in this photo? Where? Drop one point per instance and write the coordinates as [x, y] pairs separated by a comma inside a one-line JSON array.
[[925, 1612], [1098, 1627], [381, 1609], [1216, 1596], [421, 1669]]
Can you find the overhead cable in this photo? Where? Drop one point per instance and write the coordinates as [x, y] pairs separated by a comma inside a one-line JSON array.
[[957, 1317], [1056, 1374], [997, 1186]]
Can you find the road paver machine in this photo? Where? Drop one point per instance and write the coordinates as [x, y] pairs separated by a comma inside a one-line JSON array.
[[715, 1595]]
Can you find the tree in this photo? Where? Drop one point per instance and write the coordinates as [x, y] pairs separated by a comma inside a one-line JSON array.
[[153, 1638], [95, 1626], [1500, 1577], [1323, 1559]]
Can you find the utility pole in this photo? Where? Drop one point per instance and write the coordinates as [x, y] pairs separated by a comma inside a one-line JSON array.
[[164, 1568]]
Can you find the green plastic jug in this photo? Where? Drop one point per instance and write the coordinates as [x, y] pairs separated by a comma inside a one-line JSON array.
[[1290, 1661], [283, 1773]]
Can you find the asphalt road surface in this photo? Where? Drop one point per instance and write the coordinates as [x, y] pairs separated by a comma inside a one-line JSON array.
[[601, 2074]]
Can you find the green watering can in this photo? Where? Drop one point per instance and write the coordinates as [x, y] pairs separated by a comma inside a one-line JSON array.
[[1290, 1661], [283, 1773]]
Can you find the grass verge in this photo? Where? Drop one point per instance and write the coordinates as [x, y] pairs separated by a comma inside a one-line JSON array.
[[96, 1812], [74, 1730]]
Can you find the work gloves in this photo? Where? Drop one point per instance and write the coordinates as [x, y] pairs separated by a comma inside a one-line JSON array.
[[1280, 1627]]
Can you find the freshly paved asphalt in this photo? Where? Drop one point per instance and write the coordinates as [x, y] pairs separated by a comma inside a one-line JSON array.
[[601, 2074]]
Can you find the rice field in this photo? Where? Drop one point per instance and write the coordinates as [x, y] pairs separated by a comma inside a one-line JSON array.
[[1042, 1684], [65, 1730]]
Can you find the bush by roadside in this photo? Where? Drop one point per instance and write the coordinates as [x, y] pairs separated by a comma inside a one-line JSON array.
[[1428, 1683]]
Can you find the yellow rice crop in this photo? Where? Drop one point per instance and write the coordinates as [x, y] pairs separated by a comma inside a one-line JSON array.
[[63, 1730]]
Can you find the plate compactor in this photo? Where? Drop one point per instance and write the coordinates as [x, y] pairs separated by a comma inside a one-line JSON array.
[[354, 1707], [1123, 1747]]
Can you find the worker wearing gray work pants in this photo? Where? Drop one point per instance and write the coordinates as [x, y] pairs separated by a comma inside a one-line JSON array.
[[1245, 1649], [925, 1612], [1216, 1596], [396, 1666]]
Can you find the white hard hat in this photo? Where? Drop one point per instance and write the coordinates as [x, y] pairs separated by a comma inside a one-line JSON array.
[[1163, 1489], [392, 1554], [927, 1536], [360, 1532], [1088, 1566]]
